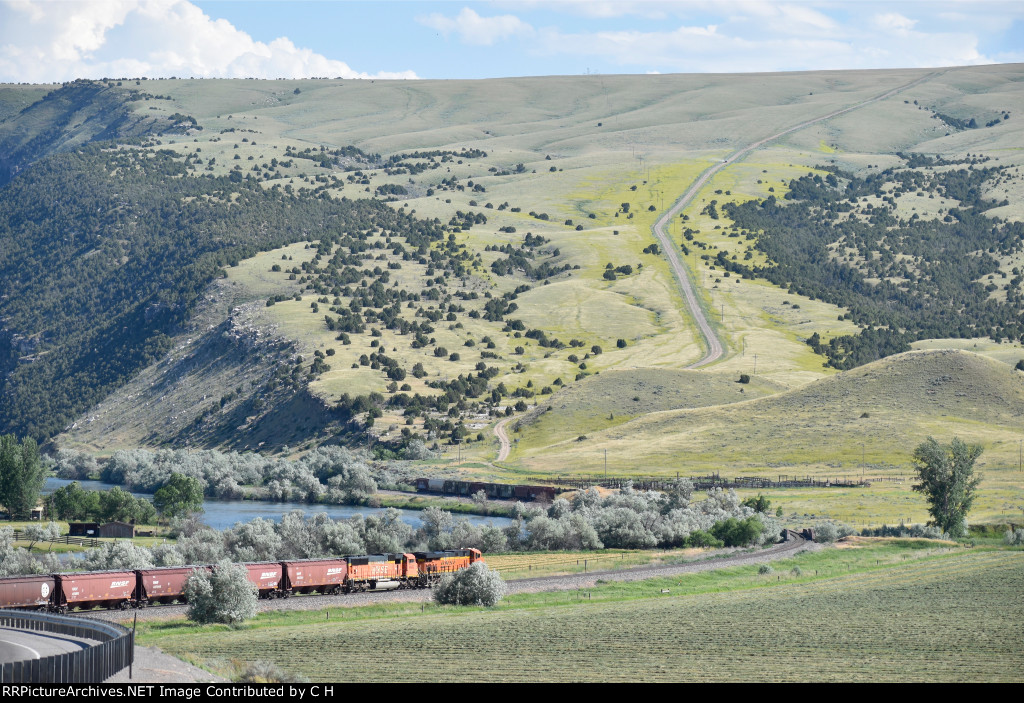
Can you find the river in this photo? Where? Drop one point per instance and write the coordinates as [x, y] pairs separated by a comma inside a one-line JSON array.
[[222, 514]]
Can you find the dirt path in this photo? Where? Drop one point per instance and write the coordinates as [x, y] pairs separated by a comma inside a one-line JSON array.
[[714, 344], [506, 446]]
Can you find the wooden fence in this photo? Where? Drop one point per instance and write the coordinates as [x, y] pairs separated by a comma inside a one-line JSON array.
[[19, 536], [705, 483]]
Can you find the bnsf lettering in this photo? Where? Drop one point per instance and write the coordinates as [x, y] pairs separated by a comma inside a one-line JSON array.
[[118, 584], [267, 575], [334, 571]]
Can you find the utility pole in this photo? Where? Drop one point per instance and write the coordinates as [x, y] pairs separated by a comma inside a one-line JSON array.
[[755, 364], [606, 464]]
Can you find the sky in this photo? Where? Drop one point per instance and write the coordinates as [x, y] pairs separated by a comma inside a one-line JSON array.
[[44, 41]]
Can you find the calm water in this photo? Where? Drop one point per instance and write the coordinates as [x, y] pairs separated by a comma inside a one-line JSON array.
[[222, 514]]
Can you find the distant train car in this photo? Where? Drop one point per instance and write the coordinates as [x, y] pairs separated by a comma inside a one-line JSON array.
[[26, 591], [501, 491], [314, 576], [98, 589], [164, 584], [267, 576], [494, 491]]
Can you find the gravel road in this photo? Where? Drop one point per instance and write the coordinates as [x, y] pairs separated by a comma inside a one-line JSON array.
[[499, 432], [715, 346]]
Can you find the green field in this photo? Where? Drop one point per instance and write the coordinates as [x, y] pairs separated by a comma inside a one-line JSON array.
[[904, 611]]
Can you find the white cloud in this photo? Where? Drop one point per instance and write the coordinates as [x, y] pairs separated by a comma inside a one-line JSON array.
[[894, 22], [57, 41], [779, 35], [474, 29], [774, 37]]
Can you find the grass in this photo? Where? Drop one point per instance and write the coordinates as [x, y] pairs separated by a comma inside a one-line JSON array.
[[519, 565], [888, 407], [604, 135], [885, 610]]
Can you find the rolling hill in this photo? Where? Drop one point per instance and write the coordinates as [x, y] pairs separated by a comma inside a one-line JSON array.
[[272, 264]]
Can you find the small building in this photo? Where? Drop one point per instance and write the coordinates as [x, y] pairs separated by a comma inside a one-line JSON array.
[[84, 529], [117, 529]]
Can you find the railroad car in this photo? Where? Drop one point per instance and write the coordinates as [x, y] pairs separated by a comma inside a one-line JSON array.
[[30, 592], [267, 576], [163, 584], [98, 589], [314, 576], [494, 491]]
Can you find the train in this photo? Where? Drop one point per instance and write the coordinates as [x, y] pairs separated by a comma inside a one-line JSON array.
[[494, 491], [138, 588]]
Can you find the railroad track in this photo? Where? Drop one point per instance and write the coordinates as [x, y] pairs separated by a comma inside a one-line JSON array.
[[568, 582]]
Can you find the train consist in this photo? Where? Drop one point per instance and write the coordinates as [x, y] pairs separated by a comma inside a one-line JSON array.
[[273, 579], [494, 491]]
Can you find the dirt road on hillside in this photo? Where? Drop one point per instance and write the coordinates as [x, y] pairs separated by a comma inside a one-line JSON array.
[[714, 344], [506, 446]]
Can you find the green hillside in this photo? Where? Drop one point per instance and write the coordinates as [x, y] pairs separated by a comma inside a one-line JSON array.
[[261, 264], [887, 406]]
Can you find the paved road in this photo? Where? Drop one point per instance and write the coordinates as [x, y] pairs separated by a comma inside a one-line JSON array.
[[19, 645], [713, 343]]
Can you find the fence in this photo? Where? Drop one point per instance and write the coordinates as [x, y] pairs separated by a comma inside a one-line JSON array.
[[115, 651], [19, 536], [704, 483]]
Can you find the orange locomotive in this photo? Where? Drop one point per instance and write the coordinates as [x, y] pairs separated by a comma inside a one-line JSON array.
[[418, 570]]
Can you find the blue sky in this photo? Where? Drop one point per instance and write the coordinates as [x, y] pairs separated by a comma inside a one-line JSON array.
[[55, 40]]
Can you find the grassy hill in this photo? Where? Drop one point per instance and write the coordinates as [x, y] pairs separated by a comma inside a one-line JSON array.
[[888, 406], [538, 185], [859, 423]]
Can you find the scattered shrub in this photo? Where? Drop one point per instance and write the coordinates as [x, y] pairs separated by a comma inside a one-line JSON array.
[[262, 671], [225, 595], [477, 585], [1014, 537]]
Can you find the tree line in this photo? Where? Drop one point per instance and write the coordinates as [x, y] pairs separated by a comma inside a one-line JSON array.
[[901, 279]]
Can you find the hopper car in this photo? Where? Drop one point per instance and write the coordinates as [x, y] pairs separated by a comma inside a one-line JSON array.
[[139, 588]]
